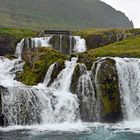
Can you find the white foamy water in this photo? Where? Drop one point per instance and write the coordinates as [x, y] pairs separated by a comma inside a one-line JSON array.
[[80, 45], [8, 68], [33, 43], [48, 75], [54, 108], [23, 105], [41, 41], [129, 83]]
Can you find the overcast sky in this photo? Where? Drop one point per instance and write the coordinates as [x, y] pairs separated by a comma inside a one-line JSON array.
[[131, 8]]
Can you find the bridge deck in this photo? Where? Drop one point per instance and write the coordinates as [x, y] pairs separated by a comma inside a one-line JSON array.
[[57, 32]]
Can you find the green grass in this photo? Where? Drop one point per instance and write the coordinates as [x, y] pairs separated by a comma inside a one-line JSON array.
[[18, 33], [96, 38], [126, 48]]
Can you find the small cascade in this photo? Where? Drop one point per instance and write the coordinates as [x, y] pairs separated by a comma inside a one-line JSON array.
[[65, 104], [129, 83], [8, 68], [71, 37], [80, 45], [63, 80], [19, 49], [72, 44], [86, 94], [32, 43], [48, 75], [61, 37], [41, 41]]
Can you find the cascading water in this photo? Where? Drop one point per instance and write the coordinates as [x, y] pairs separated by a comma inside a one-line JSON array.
[[38, 104], [31, 105], [80, 45], [33, 43], [86, 94], [61, 37], [71, 37], [54, 105], [129, 82], [48, 74]]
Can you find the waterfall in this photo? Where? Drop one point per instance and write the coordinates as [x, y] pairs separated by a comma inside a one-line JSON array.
[[61, 37], [86, 94], [80, 45], [35, 43], [8, 68], [48, 74], [71, 37], [129, 82], [19, 49], [22, 105]]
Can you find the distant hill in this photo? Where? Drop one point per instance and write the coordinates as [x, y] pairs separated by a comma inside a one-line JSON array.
[[70, 14]]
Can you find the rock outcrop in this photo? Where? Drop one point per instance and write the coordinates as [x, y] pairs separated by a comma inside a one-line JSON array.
[[107, 90], [63, 43], [98, 91], [7, 45], [37, 62], [96, 38], [2, 89]]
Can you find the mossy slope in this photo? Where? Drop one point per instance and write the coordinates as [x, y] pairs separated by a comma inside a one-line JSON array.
[[37, 62], [18, 33]]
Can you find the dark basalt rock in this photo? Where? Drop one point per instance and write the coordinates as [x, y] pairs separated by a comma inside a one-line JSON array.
[[100, 39], [63, 43], [58, 67], [107, 91], [7, 45], [2, 90]]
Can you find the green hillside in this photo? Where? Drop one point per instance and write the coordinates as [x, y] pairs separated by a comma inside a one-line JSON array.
[[70, 14]]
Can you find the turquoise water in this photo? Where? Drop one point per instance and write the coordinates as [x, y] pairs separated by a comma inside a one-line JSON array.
[[93, 131]]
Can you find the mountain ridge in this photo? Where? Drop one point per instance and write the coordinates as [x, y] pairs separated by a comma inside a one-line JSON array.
[[63, 14]]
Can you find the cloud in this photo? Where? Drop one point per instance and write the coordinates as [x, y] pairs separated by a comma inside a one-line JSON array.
[[130, 7]]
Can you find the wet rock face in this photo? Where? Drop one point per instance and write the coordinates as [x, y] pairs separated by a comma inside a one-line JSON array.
[[98, 92], [102, 39], [82, 86], [7, 44], [107, 90], [75, 78], [2, 89], [63, 43], [58, 67], [1, 116]]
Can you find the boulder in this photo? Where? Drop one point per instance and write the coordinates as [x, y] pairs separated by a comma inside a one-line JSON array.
[[98, 91], [107, 90]]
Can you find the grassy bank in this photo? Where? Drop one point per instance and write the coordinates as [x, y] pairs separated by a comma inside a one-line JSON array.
[[126, 48], [18, 33]]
